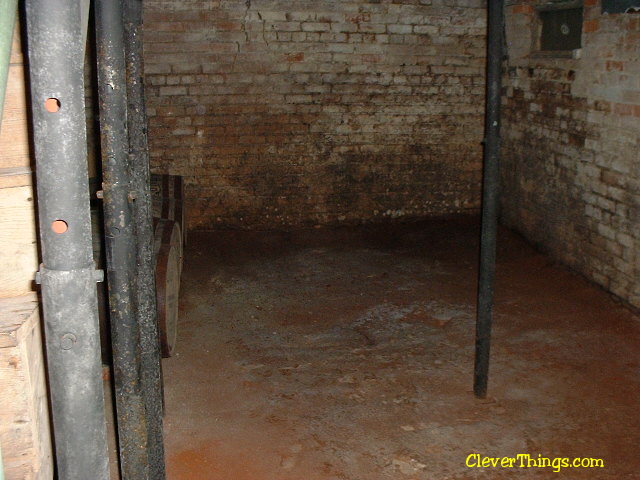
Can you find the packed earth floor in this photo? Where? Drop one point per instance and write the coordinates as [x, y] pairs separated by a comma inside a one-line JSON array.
[[347, 354]]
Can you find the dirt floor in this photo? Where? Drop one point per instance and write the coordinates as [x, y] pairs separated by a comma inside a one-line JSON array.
[[347, 354]]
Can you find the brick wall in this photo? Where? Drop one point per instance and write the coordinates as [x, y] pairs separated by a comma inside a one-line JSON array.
[[571, 167], [290, 113]]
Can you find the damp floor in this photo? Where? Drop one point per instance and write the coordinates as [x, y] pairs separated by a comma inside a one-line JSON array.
[[347, 354]]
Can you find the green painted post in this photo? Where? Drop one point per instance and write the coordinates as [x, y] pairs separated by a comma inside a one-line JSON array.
[[1, 467], [7, 22]]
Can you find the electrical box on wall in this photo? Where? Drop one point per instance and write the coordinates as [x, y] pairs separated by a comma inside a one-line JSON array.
[[620, 6], [561, 26]]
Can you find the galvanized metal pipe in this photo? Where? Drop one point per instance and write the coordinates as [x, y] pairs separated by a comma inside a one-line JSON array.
[[145, 273], [120, 241], [490, 193], [67, 275]]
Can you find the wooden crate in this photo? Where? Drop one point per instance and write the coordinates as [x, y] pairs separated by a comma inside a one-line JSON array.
[[18, 247], [25, 434]]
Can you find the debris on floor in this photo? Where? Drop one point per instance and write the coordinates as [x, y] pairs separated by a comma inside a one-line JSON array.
[[347, 354]]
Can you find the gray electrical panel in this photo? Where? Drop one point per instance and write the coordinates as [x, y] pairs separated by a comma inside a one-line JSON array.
[[561, 28]]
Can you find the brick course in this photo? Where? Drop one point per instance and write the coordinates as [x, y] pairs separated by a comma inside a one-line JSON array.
[[571, 170], [293, 113]]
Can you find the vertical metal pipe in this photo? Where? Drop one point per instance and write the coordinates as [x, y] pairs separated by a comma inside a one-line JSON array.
[[490, 192], [145, 273], [120, 241], [67, 275]]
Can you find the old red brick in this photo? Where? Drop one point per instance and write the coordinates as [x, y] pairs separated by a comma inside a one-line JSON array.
[[294, 57], [523, 8], [623, 109], [590, 26], [614, 66]]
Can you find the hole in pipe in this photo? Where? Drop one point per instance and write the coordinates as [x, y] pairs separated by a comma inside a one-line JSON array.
[[59, 226], [52, 105]]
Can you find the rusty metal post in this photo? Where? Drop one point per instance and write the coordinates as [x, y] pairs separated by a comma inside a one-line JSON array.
[[145, 272], [120, 241], [490, 192]]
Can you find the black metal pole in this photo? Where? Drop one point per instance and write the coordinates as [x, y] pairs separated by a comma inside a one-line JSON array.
[[490, 192], [120, 241], [67, 275], [145, 279]]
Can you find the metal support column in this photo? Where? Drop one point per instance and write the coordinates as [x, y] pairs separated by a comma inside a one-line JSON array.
[[67, 275], [490, 192], [120, 241], [145, 273]]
